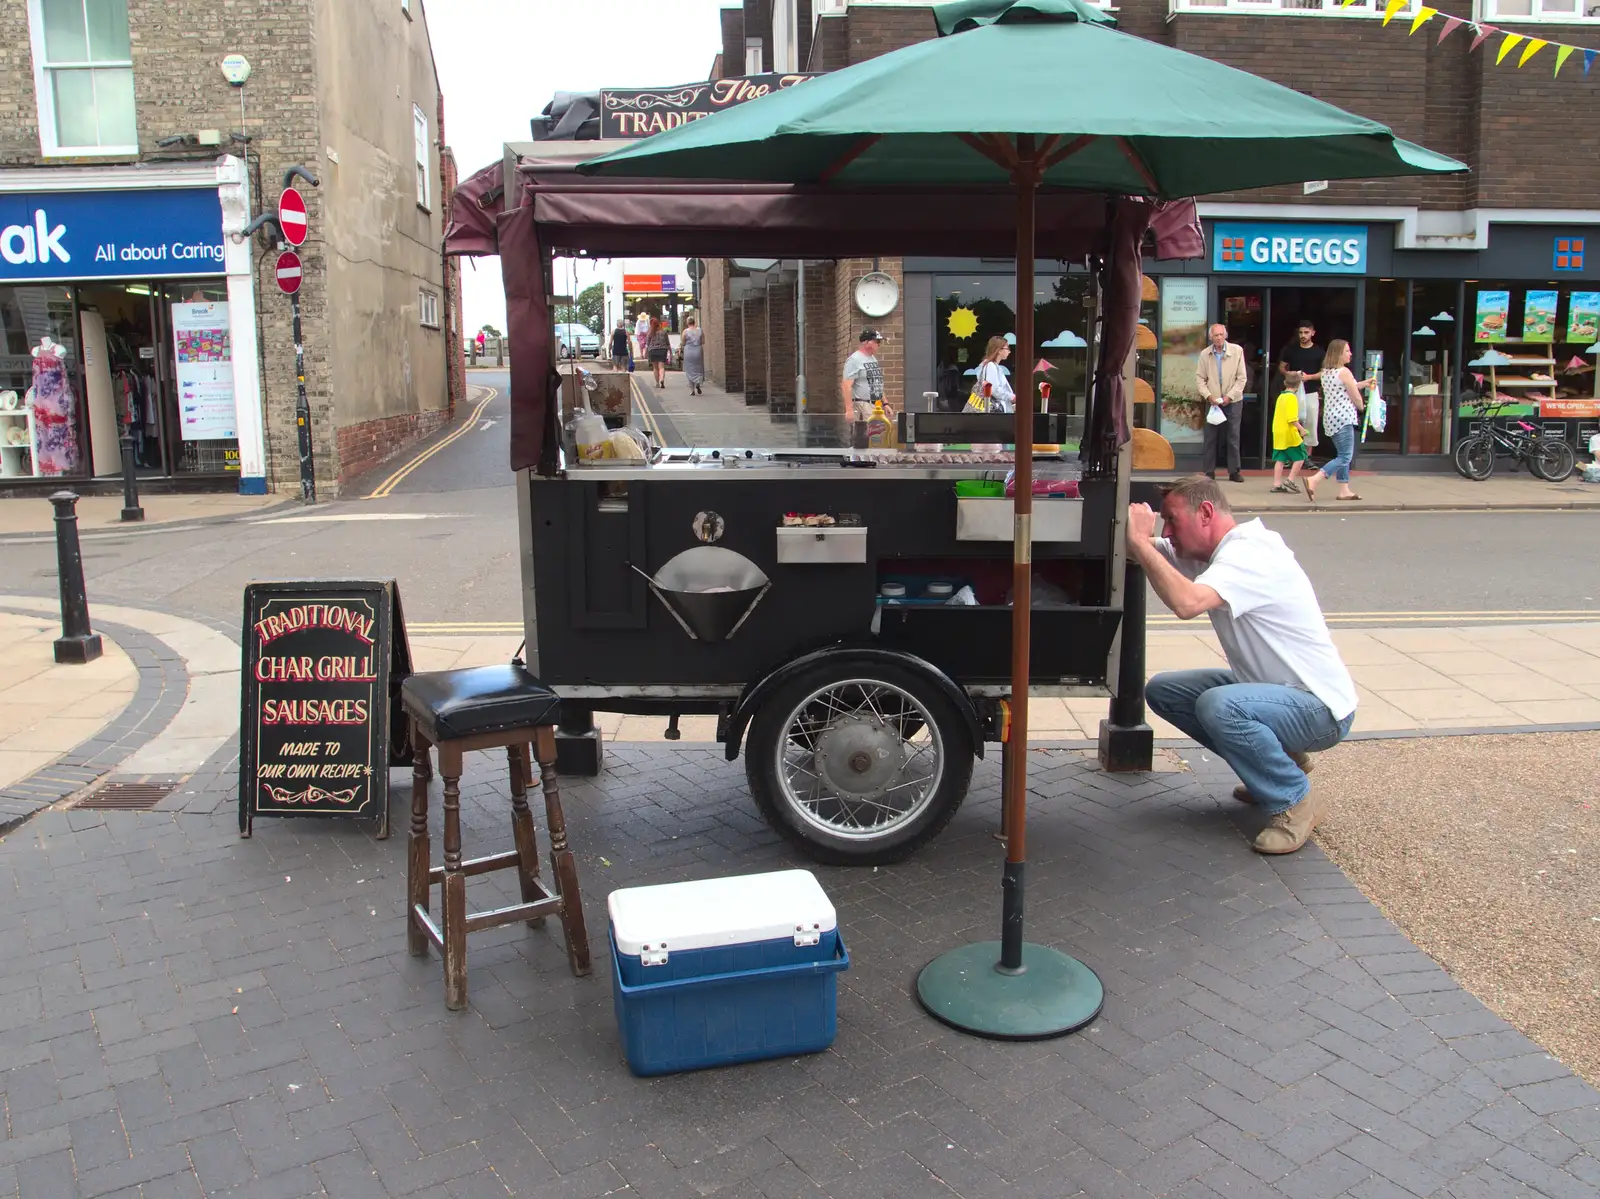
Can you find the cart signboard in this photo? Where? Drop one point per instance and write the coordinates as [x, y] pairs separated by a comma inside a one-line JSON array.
[[320, 725]]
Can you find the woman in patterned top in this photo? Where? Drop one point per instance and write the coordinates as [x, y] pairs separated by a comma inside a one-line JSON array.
[[1341, 408]]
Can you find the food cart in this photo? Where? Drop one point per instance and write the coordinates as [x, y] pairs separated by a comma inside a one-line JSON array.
[[843, 612]]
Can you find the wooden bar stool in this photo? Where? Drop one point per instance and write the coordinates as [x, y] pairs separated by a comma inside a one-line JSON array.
[[487, 707]]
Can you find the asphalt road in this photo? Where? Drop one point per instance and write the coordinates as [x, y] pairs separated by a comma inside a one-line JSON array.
[[443, 522]]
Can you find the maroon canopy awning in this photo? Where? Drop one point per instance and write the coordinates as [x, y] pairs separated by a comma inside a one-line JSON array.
[[551, 210]]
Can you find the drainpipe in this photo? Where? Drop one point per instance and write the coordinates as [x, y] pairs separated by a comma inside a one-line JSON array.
[[800, 344]]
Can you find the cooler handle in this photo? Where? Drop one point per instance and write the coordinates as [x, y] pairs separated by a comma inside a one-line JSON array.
[[841, 961]]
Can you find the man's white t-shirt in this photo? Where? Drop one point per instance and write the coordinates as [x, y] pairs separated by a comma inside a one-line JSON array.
[[1270, 625]]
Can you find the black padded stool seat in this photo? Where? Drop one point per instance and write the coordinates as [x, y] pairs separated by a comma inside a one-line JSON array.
[[451, 704], [486, 707]]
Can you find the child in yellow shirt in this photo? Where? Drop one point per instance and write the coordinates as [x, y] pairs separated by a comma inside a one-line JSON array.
[[1288, 443]]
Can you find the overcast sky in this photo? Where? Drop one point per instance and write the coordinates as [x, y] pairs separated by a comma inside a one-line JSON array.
[[501, 62]]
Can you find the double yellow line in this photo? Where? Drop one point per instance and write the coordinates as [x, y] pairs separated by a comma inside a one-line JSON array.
[[388, 485], [644, 410]]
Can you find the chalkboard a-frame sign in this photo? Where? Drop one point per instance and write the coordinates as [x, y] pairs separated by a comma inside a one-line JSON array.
[[321, 721]]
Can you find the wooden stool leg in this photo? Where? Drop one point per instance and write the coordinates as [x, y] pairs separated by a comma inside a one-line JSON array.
[[562, 864], [419, 860], [522, 827], [455, 883]]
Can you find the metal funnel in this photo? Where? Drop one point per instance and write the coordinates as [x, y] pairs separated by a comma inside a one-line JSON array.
[[710, 591]]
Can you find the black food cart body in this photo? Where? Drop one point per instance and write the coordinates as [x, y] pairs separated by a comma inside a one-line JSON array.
[[807, 663]]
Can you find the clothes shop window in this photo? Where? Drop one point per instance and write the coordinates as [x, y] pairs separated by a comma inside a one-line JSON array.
[[83, 76]]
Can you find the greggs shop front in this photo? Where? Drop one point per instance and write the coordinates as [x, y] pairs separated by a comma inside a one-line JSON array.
[[1509, 329]]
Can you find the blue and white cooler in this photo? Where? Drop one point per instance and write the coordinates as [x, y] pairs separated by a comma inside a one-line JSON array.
[[724, 970]]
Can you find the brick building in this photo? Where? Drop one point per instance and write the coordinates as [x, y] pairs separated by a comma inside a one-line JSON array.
[[127, 160], [1426, 269]]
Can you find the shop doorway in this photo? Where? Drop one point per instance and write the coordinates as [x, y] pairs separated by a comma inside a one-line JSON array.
[[120, 378], [1262, 320]]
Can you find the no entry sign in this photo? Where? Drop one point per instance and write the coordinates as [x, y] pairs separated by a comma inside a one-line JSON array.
[[288, 272], [292, 216]]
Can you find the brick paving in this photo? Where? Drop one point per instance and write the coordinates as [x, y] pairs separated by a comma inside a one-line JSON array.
[[190, 1014]]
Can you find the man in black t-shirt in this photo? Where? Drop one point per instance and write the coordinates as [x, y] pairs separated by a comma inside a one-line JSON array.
[[1300, 362]]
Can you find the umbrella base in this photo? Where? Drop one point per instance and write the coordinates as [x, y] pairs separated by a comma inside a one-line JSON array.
[[1053, 995]]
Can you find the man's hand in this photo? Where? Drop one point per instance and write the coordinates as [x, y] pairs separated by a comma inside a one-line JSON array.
[[1141, 523]]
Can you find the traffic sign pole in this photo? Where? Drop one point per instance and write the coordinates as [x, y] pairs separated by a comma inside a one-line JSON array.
[[290, 272]]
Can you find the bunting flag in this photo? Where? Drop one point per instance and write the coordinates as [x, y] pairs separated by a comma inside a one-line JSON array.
[[1508, 45], [1484, 33], [1534, 46], [1588, 59], [1424, 15], [1393, 7], [1562, 54], [1451, 24]]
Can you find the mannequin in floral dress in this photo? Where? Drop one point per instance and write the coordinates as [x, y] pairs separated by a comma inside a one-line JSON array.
[[55, 411]]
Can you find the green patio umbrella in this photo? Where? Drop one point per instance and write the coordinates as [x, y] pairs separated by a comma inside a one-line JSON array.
[[1032, 93]]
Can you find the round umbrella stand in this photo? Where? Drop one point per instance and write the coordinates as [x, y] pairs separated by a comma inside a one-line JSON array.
[[1053, 994]]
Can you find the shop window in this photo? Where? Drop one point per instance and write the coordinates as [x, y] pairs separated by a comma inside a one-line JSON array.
[[428, 307], [1384, 355], [1292, 8], [419, 134], [1182, 338], [1434, 366], [1563, 11], [1530, 353], [28, 316], [83, 76], [199, 432]]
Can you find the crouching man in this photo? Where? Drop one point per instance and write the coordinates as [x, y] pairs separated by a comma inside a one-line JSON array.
[[1286, 693]]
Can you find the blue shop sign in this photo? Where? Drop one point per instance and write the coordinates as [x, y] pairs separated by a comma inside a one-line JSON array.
[[61, 236], [1288, 248]]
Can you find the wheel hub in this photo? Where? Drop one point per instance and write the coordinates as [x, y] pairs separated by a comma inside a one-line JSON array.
[[860, 757]]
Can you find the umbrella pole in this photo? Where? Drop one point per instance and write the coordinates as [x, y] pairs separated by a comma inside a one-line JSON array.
[[1012, 990]]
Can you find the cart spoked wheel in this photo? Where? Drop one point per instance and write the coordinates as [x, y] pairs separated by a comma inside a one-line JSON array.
[[858, 765]]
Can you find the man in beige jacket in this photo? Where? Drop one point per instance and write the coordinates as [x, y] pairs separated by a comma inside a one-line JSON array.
[[1220, 380]]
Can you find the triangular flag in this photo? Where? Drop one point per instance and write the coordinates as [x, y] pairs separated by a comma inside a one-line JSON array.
[[1392, 8], [1044, 364], [1451, 24], [1346, 3], [1424, 15], [1508, 45], [1536, 45], [1484, 31], [1562, 54], [1588, 59]]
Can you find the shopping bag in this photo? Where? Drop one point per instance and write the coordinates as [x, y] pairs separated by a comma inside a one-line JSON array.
[[1216, 415], [1377, 411]]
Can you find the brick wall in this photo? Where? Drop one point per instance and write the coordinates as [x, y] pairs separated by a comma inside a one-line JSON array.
[[732, 42], [713, 292], [1528, 151], [780, 347], [849, 321], [874, 31], [364, 446], [754, 343], [830, 47], [822, 341], [733, 348]]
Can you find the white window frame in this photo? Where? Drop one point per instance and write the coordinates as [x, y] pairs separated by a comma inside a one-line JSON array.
[[1360, 10], [753, 56], [1488, 10], [424, 156], [44, 94], [428, 308], [405, 7]]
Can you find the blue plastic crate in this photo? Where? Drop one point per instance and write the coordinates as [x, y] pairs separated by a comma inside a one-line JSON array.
[[692, 1023]]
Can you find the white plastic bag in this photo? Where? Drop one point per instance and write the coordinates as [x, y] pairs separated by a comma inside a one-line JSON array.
[[1216, 415], [1377, 411]]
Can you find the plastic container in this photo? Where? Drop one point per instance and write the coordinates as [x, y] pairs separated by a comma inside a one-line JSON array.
[[940, 591], [590, 433], [980, 488], [724, 970], [892, 591]]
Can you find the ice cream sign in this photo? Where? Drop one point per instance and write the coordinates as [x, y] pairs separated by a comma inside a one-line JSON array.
[[142, 234], [1288, 248]]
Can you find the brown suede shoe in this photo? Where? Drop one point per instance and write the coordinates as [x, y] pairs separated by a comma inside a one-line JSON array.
[[1306, 763], [1291, 828]]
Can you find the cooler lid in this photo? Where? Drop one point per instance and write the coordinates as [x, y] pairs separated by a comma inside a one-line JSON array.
[[719, 911]]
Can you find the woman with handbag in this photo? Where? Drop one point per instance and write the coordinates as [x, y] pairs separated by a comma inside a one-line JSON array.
[[1000, 397], [1341, 413], [658, 344]]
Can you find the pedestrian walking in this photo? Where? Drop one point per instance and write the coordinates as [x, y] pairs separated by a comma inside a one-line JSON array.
[[861, 380], [1341, 408], [1286, 693], [621, 354], [658, 346], [1220, 379], [1288, 442], [1300, 363], [641, 331], [694, 355], [1001, 397]]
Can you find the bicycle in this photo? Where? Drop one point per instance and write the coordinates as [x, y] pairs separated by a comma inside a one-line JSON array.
[[1548, 458]]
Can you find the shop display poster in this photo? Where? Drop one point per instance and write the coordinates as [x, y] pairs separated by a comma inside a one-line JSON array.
[[1539, 316], [203, 354], [1183, 337], [1494, 309], [1583, 317]]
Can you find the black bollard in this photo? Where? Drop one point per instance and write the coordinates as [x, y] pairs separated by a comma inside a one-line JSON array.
[[130, 482], [77, 644], [1127, 742]]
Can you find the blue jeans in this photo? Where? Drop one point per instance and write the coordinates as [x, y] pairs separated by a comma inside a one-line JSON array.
[[1250, 726], [1344, 448]]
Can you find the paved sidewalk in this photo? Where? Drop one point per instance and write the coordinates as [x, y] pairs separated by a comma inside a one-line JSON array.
[[1386, 491], [34, 513], [1410, 680]]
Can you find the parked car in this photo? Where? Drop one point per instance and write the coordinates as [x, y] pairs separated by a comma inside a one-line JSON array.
[[577, 341]]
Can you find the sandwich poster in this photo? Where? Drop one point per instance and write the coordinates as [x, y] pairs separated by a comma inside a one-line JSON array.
[[1494, 309], [1539, 316]]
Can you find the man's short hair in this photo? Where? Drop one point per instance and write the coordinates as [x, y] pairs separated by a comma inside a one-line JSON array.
[[1194, 490], [1307, 323]]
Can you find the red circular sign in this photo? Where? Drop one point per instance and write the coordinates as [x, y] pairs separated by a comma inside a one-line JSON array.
[[292, 216], [288, 272]]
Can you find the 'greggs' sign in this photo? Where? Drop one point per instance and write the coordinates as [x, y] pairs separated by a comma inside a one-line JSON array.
[[639, 112]]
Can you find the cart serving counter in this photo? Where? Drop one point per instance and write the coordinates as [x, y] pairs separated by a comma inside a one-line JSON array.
[[844, 613]]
